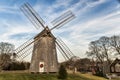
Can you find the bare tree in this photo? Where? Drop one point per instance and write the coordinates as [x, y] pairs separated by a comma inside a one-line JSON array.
[[115, 43], [104, 47], [6, 50], [94, 50], [101, 49]]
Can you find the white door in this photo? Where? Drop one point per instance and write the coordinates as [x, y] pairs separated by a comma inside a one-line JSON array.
[[41, 66]]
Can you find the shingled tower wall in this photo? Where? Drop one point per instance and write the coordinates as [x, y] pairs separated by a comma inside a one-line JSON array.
[[44, 52]]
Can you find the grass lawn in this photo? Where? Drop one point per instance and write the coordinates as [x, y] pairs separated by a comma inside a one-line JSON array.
[[92, 77], [28, 76]]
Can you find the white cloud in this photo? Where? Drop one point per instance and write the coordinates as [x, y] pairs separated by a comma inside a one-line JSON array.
[[78, 40], [79, 33], [92, 4], [8, 9]]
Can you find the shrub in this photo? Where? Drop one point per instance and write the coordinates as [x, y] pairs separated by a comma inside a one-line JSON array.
[[62, 74]]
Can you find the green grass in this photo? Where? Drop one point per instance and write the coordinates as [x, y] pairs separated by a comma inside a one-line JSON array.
[[27, 76], [92, 77]]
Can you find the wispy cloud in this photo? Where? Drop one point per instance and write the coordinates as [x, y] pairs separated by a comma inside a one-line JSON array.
[[80, 34], [94, 18]]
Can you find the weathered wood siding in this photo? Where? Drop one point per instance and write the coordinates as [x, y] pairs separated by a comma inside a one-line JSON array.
[[44, 51]]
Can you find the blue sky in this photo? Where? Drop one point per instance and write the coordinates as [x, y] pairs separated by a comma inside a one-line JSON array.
[[94, 18]]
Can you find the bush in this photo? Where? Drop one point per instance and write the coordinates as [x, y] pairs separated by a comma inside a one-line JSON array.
[[17, 66], [62, 74], [99, 73]]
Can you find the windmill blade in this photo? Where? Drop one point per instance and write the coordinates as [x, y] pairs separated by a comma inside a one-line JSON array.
[[64, 15], [37, 15], [62, 51], [32, 15], [65, 50], [26, 53], [24, 47], [28, 50], [63, 19], [65, 47]]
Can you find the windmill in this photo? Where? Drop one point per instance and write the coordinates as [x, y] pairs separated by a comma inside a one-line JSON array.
[[43, 45]]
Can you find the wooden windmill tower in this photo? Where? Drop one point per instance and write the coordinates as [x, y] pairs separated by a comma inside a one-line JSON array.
[[44, 54], [44, 57]]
